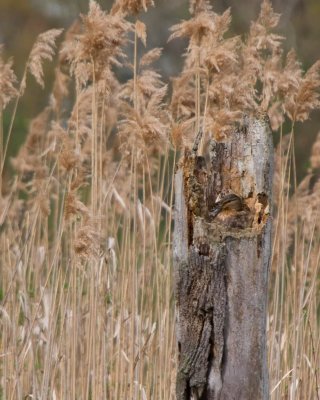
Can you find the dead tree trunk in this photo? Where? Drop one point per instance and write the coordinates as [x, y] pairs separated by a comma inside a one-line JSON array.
[[222, 248]]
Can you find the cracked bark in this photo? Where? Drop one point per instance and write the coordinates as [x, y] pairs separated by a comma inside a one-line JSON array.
[[221, 267]]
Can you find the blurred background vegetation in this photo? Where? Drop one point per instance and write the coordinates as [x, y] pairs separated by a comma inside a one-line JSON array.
[[22, 20]]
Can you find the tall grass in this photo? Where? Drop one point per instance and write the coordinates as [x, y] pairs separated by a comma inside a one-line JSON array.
[[87, 306], [294, 322]]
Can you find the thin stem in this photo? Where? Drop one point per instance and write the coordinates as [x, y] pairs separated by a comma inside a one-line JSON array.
[[94, 145], [135, 60], [203, 139], [21, 89], [197, 79], [1, 147]]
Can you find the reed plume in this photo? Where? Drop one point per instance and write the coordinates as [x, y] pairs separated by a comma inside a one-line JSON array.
[[86, 218]]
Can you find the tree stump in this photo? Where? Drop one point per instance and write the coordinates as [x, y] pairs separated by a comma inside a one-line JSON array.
[[222, 248]]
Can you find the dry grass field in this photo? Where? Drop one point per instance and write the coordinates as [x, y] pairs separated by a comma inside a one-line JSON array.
[[86, 296]]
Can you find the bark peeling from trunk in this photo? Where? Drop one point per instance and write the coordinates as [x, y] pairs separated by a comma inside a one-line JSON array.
[[221, 266]]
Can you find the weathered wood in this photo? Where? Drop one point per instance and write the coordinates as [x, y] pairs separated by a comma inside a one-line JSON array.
[[222, 246]]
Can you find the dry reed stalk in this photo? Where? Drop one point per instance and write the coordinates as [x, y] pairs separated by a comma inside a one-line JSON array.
[[85, 239]]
